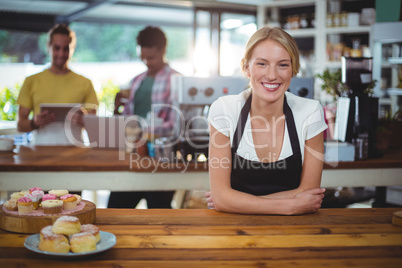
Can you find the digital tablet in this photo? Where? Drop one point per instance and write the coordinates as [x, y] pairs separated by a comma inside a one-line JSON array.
[[106, 132], [60, 110]]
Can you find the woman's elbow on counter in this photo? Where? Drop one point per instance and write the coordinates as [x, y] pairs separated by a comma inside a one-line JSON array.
[[220, 204]]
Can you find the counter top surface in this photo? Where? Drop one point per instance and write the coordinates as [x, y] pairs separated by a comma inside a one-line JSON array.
[[69, 158], [207, 238]]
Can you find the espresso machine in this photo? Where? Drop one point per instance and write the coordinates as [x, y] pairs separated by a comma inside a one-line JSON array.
[[193, 97], [363, 109]]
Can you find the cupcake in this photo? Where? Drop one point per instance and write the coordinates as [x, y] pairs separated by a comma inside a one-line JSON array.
[[11, 205], [35, 189], [49, 197], [38, 194], [25, 205], [78, 198], [25, 192], [52, 206], [69, 201], [17, 195], [35, 200], [58, 193]]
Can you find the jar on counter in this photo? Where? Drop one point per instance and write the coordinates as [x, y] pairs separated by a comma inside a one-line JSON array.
[[303, 21], [336, 20], [294, 22], [289, 22], [312, 20], [344, 19]]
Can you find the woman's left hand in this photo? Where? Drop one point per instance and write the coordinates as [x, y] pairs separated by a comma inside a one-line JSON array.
[[210, 202]]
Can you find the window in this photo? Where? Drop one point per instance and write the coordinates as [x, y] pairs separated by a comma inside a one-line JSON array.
[[236, 29], [220, 39]]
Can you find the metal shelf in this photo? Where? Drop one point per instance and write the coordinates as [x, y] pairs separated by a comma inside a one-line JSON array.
[[348, 30], [309, 32], [395, 60], [289, 3], [333, 64]]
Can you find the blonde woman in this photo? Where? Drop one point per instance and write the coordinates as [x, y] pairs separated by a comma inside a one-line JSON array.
[[266, 144]]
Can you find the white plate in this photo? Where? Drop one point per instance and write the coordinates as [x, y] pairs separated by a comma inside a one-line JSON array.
[[108, 240]]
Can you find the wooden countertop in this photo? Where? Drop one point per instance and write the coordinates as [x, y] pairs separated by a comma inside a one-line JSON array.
[[63, 158], [207, 238], [69, 158]]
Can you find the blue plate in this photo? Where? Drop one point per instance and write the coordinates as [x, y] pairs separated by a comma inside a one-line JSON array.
[[108, 240]]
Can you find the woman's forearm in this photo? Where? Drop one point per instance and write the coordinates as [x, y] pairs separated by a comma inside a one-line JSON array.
[[285, 194], [307, 201], [239, 202]]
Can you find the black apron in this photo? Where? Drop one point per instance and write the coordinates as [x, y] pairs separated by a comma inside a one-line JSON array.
[[260, 178]]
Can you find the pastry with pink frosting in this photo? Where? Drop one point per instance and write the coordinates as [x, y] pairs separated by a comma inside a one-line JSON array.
[[49, 197], [35, 189], [25, 205], [35, 201], [39, 194], [69, 201], [59, 193]]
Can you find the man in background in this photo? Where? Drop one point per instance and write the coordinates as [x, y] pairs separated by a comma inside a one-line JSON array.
[[151, 87], [57, 84]]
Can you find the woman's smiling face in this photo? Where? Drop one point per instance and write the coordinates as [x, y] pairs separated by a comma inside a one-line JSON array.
[[269, 70]]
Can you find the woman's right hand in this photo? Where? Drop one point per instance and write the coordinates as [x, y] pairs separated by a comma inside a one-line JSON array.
[[308, 201], [210, 201]]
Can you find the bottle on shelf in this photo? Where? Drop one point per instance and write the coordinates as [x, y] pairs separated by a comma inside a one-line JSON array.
[[330, 20]]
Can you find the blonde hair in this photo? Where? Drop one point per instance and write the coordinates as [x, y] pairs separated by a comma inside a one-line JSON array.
[[275, 34]]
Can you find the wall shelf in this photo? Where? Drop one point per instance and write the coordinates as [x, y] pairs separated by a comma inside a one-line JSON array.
[[289, 3], [395, 60], [348, 30], [309, 32], [333, 64]]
